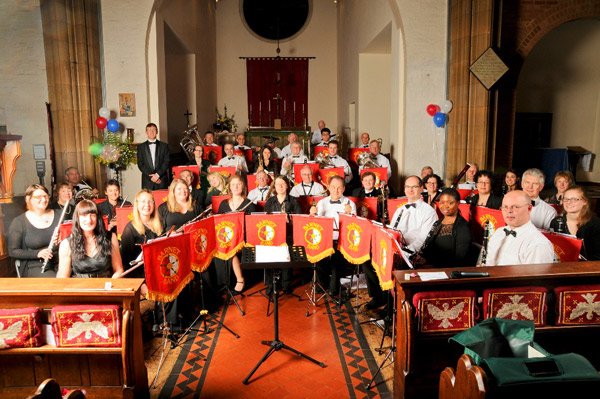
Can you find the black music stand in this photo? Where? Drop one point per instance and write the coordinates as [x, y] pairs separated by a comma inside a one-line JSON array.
[[297, 259]]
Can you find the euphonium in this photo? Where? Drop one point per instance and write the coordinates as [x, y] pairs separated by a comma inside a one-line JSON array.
[[324, 161], [364, 160], [190, 140]]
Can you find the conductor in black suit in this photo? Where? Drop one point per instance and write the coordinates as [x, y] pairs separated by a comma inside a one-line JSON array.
[[153, 160]]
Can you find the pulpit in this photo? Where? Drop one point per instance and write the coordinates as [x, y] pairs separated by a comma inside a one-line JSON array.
[[10, 151]]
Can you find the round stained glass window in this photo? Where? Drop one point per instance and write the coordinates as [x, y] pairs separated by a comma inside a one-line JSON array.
[[275, 19]]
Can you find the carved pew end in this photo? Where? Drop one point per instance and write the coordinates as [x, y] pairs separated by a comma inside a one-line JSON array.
[[468, 382]]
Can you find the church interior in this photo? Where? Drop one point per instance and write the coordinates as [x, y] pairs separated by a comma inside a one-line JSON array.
[[508, 85]]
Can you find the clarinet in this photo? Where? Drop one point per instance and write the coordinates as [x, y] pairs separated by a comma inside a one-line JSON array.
[[561, 224], [385, 217], [55, 234], [417, 257], [484, 246]]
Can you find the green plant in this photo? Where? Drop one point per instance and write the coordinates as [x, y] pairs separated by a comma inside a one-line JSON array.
[[228, 123], [115, 151]]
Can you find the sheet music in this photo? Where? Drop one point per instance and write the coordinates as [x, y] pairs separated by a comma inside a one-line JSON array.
[[269, 254]]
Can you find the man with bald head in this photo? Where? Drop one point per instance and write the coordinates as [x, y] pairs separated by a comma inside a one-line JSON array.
[[519, 242], [287, 150]]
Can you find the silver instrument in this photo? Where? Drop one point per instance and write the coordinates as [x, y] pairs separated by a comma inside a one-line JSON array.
[[190, 139], [364, 160], [324, 161]]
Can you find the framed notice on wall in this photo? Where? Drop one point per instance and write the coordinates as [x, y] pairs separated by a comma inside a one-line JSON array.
[[127, 104], [488, 68]]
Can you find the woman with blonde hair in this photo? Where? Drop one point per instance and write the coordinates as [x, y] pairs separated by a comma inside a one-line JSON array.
[[577, 219], [179, 208], [30, 234], [218, 186], [146, 225]]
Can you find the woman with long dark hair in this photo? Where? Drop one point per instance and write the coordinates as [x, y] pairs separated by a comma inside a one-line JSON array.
[[512, 181], [269, 164], [90, 251], [485, 197]]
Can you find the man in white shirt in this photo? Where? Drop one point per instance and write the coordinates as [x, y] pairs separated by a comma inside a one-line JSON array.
[[316, 137], [542, 213], [338, 161], [332, 206], [364, 140], [470, 183], [209, 139], [261, 190], [287, 150], [295, 157], [308, 187], [382, 161], [519, 242], [325, 137], [241, 142], [233, 160], [415, 218]]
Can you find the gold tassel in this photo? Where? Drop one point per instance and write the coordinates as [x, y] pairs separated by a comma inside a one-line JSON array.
[[159, 296], [322, 255], [353, 260], [231, 253]]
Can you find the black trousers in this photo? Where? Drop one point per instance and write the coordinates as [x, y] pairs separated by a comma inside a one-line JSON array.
[[334, 266], [373, 286]]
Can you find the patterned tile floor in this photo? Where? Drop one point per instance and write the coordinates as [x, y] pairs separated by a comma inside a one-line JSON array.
[[214, 365]]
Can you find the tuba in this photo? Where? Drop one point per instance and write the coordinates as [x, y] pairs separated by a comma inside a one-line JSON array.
[[364, 160], [189, 140], [324, 161]]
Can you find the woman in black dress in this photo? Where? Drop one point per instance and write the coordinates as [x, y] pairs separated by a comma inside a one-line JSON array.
[[90, 251], [282, 202], [146, 225], [30, 235], [237, 203], [269, 164], [449, 241], [511, 181], [218, 186], [64, 194], [577, 219], [179, 207], [485, 181], [203, 165]]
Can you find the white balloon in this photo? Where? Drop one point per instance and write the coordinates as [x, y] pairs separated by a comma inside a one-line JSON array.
[[104, 112], [447, 106]]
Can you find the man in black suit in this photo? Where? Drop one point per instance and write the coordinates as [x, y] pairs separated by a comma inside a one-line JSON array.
[[153, 160]]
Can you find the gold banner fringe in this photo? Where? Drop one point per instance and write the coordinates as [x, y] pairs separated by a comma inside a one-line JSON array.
[[231, 253], [322, 255], [385, 285], [202, 267], [159, 296], [353, 260]]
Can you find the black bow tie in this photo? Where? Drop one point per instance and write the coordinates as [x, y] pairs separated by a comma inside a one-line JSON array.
[[307, 185], [296, 156], [335, 202], [263, 188], [510, 232], [151, 142], [333, 157], [532, 203], [230, 158], [410, 205]]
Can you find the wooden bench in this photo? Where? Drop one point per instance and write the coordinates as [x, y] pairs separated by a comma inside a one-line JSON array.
[[422, 357], [101, 372]]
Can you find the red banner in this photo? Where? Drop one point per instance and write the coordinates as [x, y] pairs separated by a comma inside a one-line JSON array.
[[366, 207], [566, 247], [124, 216], [321, 149], [213, 154], [382, 250], [480, 216], [168, 266], [394, 204], [380, 175], [315, 234], [229, 232], [216, 202], [353, 154], [202, 237], [326, 174], [98, 200], [464, 193], [298, 167], [160, 196], [65, 229], [260, 206], [176, 170], [226, 171], [246, 154], [355, 239], [265, 230], [465, 211], [306, 202]]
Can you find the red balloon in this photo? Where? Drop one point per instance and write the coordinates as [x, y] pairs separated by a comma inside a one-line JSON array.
[[101, 122], [432, 109]]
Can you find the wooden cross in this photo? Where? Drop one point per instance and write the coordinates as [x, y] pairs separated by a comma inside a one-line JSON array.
[[277, 99], [187, 115]]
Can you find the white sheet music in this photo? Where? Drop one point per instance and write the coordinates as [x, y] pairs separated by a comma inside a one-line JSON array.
[[265, 253]]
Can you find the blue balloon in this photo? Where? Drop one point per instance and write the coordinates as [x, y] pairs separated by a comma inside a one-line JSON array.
[[439, 119], [112, 125]]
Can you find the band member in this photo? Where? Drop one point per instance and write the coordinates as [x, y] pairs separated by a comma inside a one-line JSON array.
[[368, 189], [316, 136], [241, 142], [542, 213], [562, 181], [433, 185], [209, 139], [378, 158], [218, 186], [325, 137], [273, 144], [261, 190], [199, 160], [146, 225], [90, 250], [179, 207], [30, 234], [308, 187], [287, 150], [578, 220], [282, 202], [338, 161], [332, 206], [233, 160], [197, 194], [485, 197], [425, 171], [364, 140], [153, 160], [511, 181], [113, 200], [64, 195], [73, 177], [266, 162], [470, 183], [287, 167], [520, 242]]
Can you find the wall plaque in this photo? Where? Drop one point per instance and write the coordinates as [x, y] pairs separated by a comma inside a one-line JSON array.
[[488, 68]]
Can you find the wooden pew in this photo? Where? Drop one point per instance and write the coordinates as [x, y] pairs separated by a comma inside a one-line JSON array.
[[422, 357], [101, 372]]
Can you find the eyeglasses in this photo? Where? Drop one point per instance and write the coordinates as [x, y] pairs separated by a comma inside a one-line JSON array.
[[512, 208], [40, 197], [572, 199], [484, 183]]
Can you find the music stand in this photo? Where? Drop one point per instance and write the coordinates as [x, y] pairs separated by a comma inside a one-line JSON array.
[[297, 259]]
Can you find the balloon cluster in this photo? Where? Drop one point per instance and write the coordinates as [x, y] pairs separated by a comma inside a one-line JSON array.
[[103, 122], [438, 113]]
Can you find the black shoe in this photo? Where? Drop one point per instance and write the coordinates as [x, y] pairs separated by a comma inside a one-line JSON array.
[[373, 304], [287, 290]]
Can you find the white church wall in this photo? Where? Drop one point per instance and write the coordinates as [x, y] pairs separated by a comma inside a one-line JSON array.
[[24, 86], [318, 39]]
